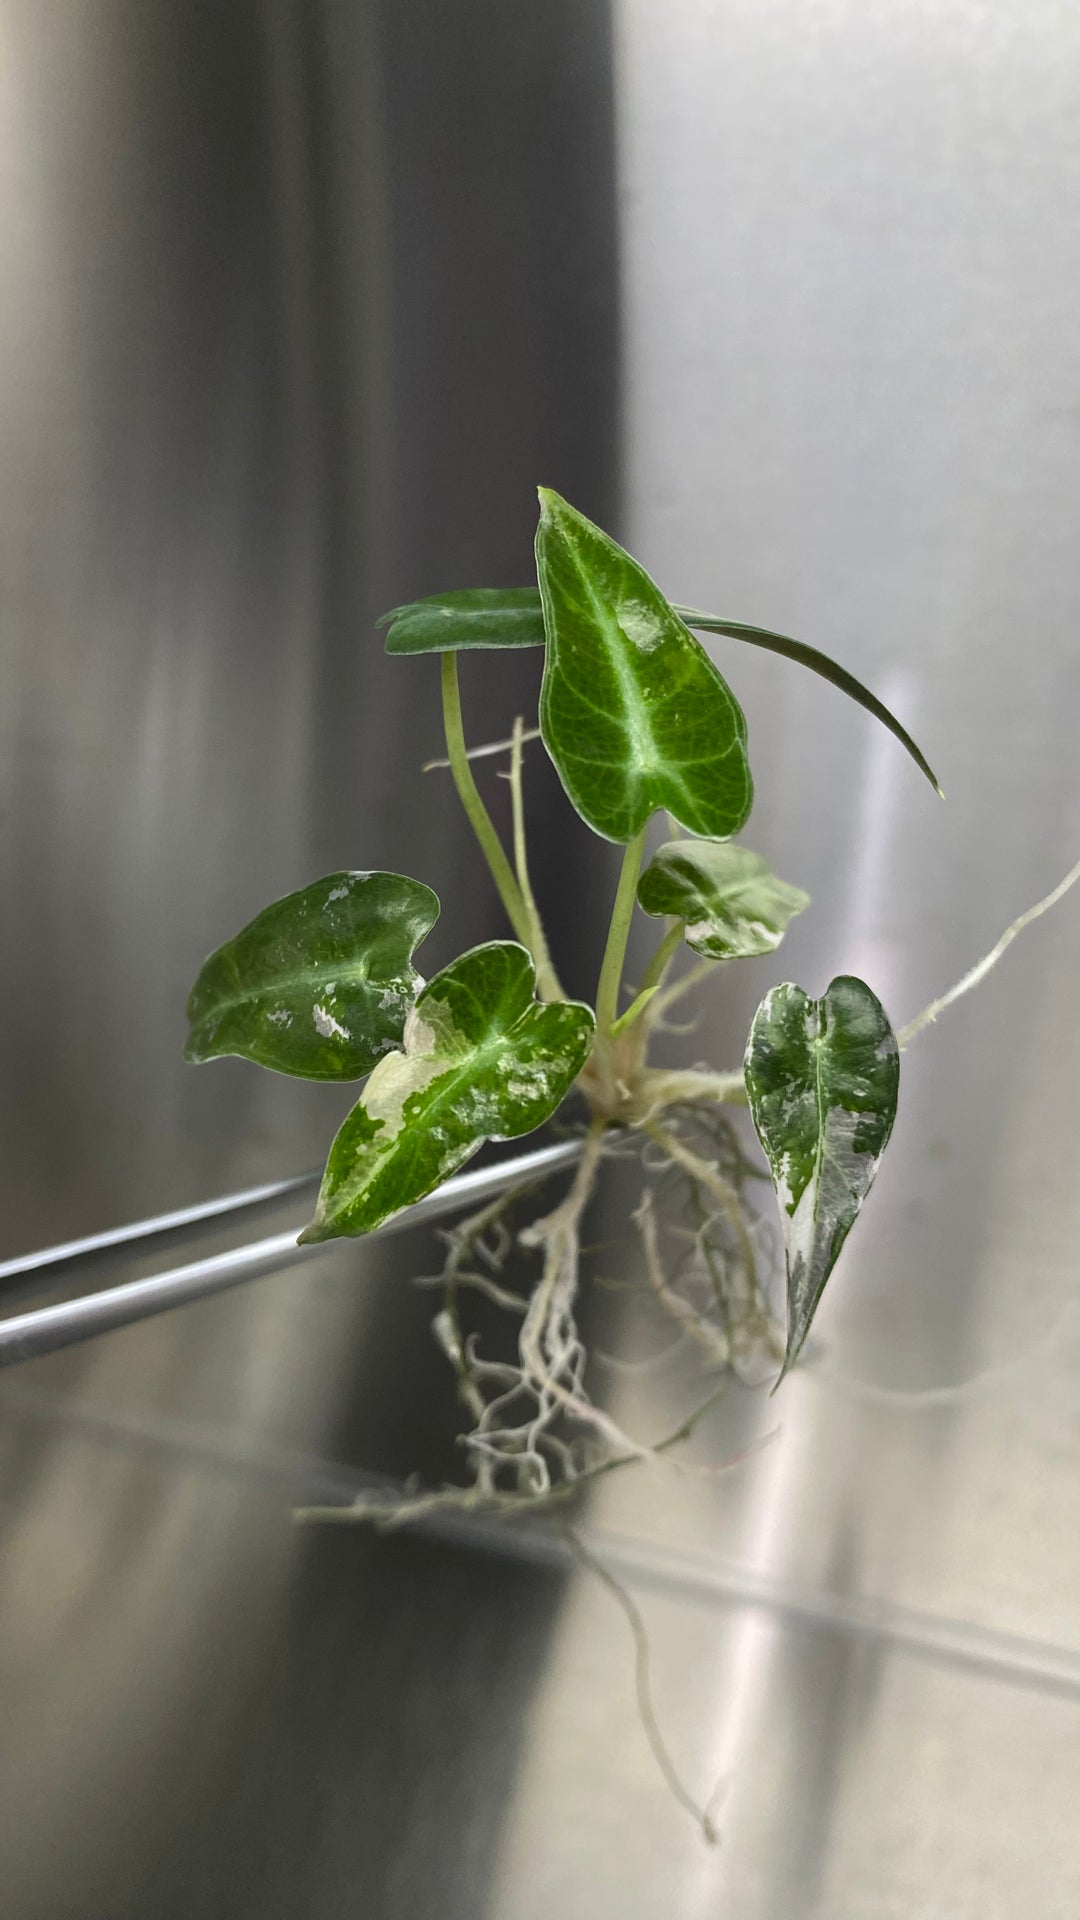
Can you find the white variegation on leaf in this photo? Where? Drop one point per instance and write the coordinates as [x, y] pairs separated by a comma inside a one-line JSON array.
[[729, 900], [320, 983], [480, 1060], [822, 1078]]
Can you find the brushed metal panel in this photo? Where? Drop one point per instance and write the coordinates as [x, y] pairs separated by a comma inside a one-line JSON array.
[[303, 301]]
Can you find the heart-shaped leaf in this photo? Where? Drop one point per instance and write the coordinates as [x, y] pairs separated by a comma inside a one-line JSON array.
[[320, 983], [632, 710], [730, 901], [513, 617], [822, 1078], [481, 1061]]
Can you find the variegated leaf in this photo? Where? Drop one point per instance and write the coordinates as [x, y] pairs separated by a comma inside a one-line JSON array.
[[822, 1078]]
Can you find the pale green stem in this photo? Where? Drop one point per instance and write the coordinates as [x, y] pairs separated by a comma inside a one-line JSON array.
[[479, 818], [652, 978], [633, 1012], [607, 991], [662, 958], [547, 980], [696, 975]]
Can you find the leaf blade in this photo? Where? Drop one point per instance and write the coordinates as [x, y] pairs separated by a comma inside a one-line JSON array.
[[319, 984], [822, 1078], [481, 1060], [469, 617], [818, 663], [633, 713], [731, 903]]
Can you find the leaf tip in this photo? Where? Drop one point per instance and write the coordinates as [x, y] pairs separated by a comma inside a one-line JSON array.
[[788, 1363], [316, 1230]]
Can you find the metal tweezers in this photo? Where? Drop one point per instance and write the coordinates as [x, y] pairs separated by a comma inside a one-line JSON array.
[[26, 1336]]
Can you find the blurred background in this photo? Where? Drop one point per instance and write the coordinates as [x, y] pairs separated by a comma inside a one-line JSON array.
[[301, 300]]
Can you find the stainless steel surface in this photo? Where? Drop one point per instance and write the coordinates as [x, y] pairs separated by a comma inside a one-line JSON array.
[[27, 1336], [300, 302]]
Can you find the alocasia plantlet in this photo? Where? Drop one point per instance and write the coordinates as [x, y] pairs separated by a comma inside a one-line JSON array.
[[639, 722], [641, 726]]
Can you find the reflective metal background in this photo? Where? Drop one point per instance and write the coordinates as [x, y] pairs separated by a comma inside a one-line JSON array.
[[300, 301]]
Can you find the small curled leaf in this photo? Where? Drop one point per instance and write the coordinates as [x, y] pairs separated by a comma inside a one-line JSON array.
[[732, 904], [481, 1060], [318, 984], [822, 1078]]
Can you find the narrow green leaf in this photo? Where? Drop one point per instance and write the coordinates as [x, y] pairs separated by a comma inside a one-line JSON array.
[[318, 984], [474, 617], [822, 1078], [819, 663], [481, 1061], [632, 711], [731, 902]]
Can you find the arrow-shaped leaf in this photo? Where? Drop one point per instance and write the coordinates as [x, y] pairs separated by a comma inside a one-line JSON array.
[[632, 710], [481, 1061], [512, 617], [822, 1078], [320, 983], [732, 904]]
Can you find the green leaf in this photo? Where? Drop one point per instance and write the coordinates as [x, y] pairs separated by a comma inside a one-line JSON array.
[[481, 1061], [475, 617], [632, 710], [730, 901], [512, 617], [819, 663], [320, 983], [822, 1078]]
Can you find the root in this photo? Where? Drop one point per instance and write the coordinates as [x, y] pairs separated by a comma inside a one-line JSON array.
[[982, 967], [536, 1442], [536, 1436], [661, 1753]]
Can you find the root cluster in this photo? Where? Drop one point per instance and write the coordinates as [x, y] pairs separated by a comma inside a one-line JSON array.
[[536, 1434]]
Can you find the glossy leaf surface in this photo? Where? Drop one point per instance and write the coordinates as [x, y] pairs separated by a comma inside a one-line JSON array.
[[481, 1061], [512, 617], [632, 711], [730, 900], [320, 983], [474, 617], [822, 1079]]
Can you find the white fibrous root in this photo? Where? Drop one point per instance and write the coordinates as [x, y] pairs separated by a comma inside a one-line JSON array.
[[536, 1435]]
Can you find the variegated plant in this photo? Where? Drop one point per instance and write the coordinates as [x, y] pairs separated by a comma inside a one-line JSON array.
[[640, 723], [642, 728]]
